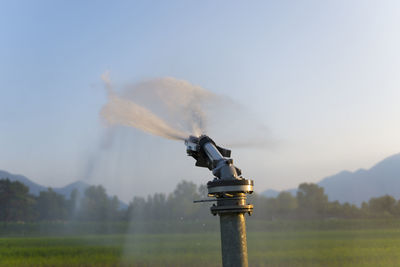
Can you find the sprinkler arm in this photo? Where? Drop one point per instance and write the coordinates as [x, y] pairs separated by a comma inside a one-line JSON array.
[[207, 154]]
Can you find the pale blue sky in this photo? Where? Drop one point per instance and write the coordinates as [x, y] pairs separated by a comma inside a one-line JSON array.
[[323, 76]]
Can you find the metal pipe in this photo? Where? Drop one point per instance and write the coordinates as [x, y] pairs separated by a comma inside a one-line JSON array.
[[233, 240], [233, 230]]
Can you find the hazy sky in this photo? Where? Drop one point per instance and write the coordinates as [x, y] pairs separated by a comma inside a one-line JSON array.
[[323, 77]]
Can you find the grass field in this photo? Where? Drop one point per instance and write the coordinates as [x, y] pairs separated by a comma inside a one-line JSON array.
[[366, 247]]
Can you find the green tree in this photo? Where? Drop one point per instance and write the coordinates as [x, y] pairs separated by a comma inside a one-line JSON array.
[[136, 209], [51, 206], [286, 205], [312, 201], [73, 204], [181, 200], [265, 208], [96, 206], [382, 206], [16, 204], [114, 213], [350, 211]]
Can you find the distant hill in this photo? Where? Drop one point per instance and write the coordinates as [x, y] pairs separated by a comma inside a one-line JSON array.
[[66, 190], [35, 188], [356, 187]]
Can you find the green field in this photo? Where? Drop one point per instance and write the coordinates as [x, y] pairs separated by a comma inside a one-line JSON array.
[[298, 247]]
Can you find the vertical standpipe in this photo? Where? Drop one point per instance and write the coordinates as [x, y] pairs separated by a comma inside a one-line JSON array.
[[231, 207]]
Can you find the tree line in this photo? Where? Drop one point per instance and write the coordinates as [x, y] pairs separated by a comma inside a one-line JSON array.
[[310, 202], [17, 204]]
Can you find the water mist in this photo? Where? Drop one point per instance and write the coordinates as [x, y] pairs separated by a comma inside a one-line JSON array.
[[166, 107]]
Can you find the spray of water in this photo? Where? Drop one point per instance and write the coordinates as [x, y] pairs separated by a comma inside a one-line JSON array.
[[165, 107]]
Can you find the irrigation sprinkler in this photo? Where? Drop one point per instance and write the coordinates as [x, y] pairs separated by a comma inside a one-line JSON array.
[[229, 190]]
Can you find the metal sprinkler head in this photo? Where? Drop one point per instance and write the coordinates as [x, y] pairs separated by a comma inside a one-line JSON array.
[[228, 177]]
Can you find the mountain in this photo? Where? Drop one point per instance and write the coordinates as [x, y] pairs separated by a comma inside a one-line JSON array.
[[361, 185], [35, 188], [66, 190]]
